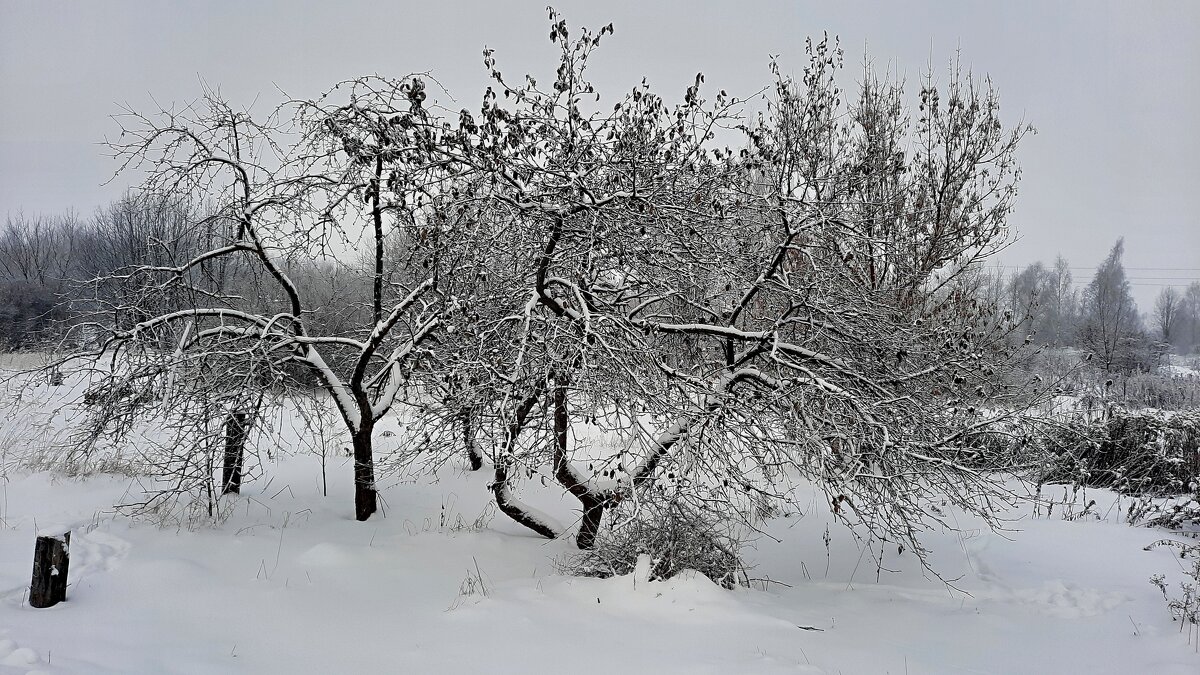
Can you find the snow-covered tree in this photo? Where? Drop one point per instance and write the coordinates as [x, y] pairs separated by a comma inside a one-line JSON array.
[[1189, 309], [741, 323], [1027, 293], [1059, 304], [278, 194], [1166, 313], [745, 321]]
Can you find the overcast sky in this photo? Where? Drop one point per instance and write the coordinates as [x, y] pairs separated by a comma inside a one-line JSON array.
[[1112, 87]]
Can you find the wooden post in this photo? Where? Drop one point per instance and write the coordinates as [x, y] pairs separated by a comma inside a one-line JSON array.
[[236, 429], [51, 559]]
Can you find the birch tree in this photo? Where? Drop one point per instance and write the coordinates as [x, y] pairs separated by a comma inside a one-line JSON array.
[[1109, 315], [1166, 313]]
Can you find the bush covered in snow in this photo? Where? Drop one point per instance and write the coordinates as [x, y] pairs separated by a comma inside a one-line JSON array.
[[1167, 389], [677, 537], [1184, 606], [1143, 452]]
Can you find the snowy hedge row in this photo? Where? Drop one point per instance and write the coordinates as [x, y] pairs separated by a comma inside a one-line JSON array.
[[1143, 452]]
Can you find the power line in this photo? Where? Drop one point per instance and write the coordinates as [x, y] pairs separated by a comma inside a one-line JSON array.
[[1156, 269], [1138, 269], [1160, 280]]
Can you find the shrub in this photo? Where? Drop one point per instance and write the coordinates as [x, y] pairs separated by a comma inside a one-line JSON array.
[[677, 537], [29, 313], [1148, 453], [1184, 607], [1163, 391]]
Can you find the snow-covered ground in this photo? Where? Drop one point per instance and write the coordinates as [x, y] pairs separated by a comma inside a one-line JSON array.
[[1180, 367], [291, 584], [438, 583]]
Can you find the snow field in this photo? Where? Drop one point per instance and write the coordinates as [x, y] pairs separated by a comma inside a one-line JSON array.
[[288, 582]]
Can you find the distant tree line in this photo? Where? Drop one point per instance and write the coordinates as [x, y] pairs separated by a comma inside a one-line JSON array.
[[61, 273], [55, 269], [1102, 318]]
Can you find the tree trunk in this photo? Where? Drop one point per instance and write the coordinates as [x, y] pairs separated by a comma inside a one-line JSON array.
[[365, 496], [236, 429], [593, 504], [589, 525], [515, 509], [508, 504], [468, 432], [51, 559]]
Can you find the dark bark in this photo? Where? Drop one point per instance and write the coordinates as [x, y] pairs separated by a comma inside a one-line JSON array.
[[589, 525], [593, 504], [377, 222], [51, 560], [237, 427], [513, 510], [468, 432], [366, 498], [499, 485]]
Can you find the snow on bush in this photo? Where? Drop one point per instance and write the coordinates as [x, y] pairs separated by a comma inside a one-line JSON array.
[[1144, 452], [674, 537]]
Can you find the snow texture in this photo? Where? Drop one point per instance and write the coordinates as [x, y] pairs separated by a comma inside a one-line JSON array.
[[439, 583], [291, 584]]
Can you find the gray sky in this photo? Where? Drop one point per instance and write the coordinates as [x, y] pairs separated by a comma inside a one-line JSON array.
[[1112, 87]]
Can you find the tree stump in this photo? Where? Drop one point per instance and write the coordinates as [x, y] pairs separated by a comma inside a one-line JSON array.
[[51, 560]]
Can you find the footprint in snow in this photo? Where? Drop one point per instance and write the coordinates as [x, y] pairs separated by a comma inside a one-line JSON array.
[[1057, 598], [97, 551]]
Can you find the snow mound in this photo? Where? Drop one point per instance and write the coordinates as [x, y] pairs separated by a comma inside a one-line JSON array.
[[327, 555]]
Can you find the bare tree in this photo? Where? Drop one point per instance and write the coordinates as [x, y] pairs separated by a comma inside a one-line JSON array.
[[1059, 304], [1027, 291], [1189, 308], [132, 233], [1110, 319], [1166, 312], [742, 321], [284, 191], [37, 249], [739, 323]]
